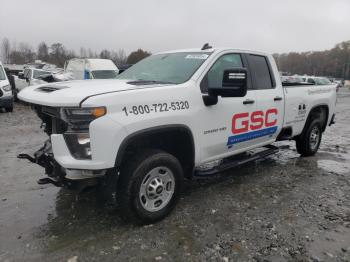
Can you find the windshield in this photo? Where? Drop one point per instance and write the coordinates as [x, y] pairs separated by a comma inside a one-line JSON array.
[[174, 68], [322, 81], [37, 74], [104, 74], [2, 73]]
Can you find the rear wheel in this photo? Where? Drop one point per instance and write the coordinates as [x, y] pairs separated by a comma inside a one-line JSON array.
[[309, 141], [149, 186], [9, 109]]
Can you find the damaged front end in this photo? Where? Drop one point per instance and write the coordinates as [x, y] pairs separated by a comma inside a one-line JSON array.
[[44, 158], [73, 124]]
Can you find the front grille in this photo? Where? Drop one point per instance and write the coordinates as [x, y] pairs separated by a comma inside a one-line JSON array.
[[51, 111], [1, 93], [53, 124]]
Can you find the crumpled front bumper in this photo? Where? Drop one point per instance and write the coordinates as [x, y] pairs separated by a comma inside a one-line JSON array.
[[57, 175], [62, 167]]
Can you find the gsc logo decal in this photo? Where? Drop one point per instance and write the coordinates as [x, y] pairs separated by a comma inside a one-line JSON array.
[[247, 127]]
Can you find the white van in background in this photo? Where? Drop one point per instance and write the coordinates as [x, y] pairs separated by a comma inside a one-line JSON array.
[[91, 68], [6, 96]]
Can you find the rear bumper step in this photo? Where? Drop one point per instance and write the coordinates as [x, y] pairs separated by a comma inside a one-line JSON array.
[[237, 161]]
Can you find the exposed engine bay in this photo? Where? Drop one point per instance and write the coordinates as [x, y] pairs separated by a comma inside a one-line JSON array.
[[73, 124]]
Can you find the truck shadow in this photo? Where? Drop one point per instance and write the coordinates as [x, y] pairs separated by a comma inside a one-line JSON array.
[[89, 205]]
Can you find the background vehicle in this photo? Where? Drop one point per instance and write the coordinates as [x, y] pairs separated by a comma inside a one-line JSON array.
[[31, 76], [173, 115], [91, 68], [293, 79], [314, 80], [6, 97]]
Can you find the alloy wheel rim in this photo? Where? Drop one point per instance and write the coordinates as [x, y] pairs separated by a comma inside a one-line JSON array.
[[157, 189], [314, 138]]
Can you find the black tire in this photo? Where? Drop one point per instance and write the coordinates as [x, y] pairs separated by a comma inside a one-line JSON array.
[[106, 188], [133, 173], [305, 143], [9, 109]]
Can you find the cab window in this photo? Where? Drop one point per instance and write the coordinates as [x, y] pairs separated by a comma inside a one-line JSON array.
[[261, 72], [215, 74]]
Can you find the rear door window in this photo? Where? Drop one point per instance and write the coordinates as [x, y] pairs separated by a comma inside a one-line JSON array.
[[261, 72]]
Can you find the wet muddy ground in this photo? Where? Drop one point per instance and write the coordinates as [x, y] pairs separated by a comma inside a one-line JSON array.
[[284, 208]]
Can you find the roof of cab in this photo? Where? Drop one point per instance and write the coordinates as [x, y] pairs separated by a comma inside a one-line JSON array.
[[213, 50]]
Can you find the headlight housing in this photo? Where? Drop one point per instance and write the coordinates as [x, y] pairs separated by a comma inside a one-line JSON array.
[[7, 88], [79, 119], [77, 135]]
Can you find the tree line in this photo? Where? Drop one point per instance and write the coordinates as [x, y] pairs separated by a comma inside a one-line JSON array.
[[332, 63], [57, 54]]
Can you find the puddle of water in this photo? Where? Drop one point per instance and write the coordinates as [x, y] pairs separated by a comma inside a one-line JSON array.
[[334, 166]]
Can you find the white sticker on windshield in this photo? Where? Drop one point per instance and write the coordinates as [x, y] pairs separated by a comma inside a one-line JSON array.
[[197, 56]]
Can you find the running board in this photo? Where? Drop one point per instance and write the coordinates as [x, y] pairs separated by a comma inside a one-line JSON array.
[[236, 161]]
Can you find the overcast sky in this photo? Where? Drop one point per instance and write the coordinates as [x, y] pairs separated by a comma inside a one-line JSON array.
[[158, 25]]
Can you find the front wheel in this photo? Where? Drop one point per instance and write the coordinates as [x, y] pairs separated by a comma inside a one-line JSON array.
[[149, 186], [309, 141]]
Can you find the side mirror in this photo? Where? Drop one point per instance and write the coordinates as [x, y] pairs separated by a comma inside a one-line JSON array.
[[234, 84]]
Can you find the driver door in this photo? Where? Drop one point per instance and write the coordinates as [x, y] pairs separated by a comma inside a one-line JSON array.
[[223, 125]]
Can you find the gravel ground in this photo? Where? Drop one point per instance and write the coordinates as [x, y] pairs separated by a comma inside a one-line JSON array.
[[284, 208]]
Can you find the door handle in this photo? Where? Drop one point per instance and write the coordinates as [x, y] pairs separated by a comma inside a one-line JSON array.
[[277, 98], [248, 101]]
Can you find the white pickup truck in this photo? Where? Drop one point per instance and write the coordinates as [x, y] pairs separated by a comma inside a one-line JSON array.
[[173, 116]]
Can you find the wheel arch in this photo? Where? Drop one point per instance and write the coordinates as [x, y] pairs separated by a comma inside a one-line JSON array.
[[165, 137], [321, 111]]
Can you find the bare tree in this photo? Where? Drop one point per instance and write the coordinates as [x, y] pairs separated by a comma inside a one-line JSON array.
[[90, 53], [58, 54], [6, 50], [43, 51], [105, 54], [120, 57], [27, 52], [82, 52]]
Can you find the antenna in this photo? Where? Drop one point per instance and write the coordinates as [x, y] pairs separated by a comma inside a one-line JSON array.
[[206, 46]]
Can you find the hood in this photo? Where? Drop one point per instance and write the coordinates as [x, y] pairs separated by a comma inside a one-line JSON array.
[[71, 93]]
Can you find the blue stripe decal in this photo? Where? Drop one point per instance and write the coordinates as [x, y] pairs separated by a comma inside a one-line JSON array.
[[251, 135]]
